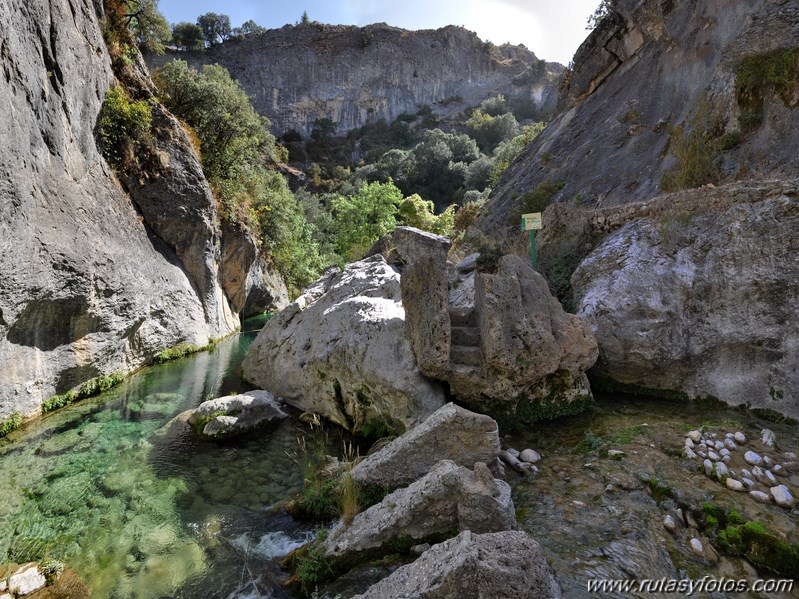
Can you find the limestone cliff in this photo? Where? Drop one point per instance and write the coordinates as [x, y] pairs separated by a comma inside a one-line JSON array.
[[650, 68], [357, 75], [94, 281]]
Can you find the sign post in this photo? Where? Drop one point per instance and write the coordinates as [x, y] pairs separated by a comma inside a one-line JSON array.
[[531, 222]]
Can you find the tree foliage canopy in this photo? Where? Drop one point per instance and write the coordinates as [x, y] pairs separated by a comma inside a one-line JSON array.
[[188, 36], [215, 27], [149, 27]]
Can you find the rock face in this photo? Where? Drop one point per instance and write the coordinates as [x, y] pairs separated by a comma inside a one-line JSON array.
[[503, 564], [340, 350], [235, 414], [449, 497], [357, 75], [498, 337], [451, 433], [650, 66], [703, 306], [93, 282]]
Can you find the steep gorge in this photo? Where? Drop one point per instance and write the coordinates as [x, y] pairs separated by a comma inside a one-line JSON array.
[[96, 281]]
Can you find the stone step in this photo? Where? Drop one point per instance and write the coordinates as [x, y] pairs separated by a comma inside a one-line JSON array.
[[459, 318], [464, 354], [466, 336]]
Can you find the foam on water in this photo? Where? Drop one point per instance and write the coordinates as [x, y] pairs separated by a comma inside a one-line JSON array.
[[272, 544]]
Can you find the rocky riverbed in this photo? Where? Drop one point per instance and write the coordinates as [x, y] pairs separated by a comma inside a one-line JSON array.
[[609, 479]]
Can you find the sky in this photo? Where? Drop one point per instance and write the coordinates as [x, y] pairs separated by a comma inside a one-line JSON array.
[[552, 29]]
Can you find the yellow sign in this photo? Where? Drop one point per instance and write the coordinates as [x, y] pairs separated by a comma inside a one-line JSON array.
[[531, 221]]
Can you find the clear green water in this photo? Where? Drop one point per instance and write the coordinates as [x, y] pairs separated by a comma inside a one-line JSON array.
[[138, 509]]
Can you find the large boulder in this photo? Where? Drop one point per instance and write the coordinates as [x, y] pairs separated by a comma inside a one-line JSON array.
[[340, 350], [471, 566], [235, 414], [523, 356], [449, 497], [703, 305], [451, 433]]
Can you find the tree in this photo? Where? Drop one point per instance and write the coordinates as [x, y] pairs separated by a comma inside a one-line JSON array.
[[148, 25], [363, 218], [215, 27], [188, 36], [323, 129], [600, 12], [489, 131], [304, 20], [416, 212], [249, 28]]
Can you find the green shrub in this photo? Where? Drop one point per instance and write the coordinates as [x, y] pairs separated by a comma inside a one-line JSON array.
[[90, 388], [776, 71], [10, 423], [121, 127], [541, 197]]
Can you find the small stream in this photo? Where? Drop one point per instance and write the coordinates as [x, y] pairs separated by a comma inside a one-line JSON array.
[[139, 509], [137, 512]]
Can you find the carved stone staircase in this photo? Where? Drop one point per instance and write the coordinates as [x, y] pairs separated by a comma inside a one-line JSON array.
[[466, 351]]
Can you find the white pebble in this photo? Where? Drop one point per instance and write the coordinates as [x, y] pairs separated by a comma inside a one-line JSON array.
[[702, 446], [702, 454], [513, 452], [767, 437], [779, 470], [713, 435], [767, 461], [722, 471], [695, 436], [745, 472], [760, 496], [782, 496], [748, 482], [696, 547], [708, 467], [530, 456], [688, 453], [669, 524], [615, 454], [713, 456], [740, 437], [729, 436], [790, 455], [734, 485], [726, 459], [730, 444], [752, 458], [724, 452], [718, 445], [689, 443]]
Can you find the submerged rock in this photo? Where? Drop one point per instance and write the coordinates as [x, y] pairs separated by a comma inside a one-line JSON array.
[[340, 350], [449, 497], [471, 566], [451, 433], [235, 414]]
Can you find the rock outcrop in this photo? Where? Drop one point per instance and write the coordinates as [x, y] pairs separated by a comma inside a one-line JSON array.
[[496, 335], [358, 75], [340, 351], [648, 69], [451, 433], [502, 564], [235, 414], [93, 282], [701, 304], [448, 498]]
